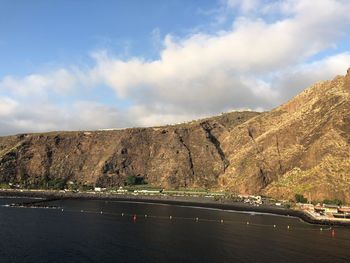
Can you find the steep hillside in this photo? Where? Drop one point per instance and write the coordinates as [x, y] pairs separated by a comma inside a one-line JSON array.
[[186, 155], [303, 147]]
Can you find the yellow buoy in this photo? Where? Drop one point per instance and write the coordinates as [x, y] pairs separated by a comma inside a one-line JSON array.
[[222, 220]]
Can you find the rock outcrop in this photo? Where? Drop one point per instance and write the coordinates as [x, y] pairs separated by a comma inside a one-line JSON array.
[[303, 147]]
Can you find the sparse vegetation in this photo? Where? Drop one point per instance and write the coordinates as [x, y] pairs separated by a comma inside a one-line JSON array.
[[85, 187], [300, 198], [332, 202], [135, 180], [4, 186], [287, 205]]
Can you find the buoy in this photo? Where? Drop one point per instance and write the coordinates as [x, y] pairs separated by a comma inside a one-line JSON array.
[[222, 220], [122, 214], [288, 227], [170, 217], [134, 217], [101, 212], [333, 233], [321, 229], [197, 219], [81, 210], [145, 216], [62, 209], [274, 226], [247, 223]]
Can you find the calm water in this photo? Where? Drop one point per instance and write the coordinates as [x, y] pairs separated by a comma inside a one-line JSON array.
[[50, 235]]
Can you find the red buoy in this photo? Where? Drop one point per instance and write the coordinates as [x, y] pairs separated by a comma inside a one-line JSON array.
[[134, 217], [333, 233]]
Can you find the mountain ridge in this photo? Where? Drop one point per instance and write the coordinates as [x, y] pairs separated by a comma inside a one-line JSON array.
[[302, 146]]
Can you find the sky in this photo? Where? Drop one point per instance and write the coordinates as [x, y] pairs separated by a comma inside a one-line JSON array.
[[89, 64]]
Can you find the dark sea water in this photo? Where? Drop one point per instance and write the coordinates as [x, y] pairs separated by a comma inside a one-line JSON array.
[[80, 233]]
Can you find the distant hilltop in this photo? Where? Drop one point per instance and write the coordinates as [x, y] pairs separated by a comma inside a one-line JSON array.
[[300, 147]]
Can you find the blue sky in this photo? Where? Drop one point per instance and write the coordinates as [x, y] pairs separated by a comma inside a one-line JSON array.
[[38, 34], [76, 65]]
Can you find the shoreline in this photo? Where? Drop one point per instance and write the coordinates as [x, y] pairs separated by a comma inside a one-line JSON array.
[[190, 201]]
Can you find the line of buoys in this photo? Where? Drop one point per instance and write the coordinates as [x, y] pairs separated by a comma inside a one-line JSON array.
[[196, 219]]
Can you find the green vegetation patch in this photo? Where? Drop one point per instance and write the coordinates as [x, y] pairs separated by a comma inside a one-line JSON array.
[[332, 202], [135, 180], [300, 198]]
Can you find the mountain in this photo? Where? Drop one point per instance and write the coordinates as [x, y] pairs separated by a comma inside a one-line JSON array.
[[302, 147]]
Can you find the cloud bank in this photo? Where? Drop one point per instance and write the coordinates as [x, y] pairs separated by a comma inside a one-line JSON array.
[[261, 60]]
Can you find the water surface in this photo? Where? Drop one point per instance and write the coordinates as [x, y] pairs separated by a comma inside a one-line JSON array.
[[80, 233]]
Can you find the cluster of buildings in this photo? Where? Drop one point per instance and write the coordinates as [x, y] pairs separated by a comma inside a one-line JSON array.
[[122, 190], [326, 210], [251, 199]]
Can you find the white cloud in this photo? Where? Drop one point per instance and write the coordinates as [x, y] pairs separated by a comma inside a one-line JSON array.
[[59, 81], [81, 115], [244, 5], [224, 68], [7, 106], [92, 115], [290, 82]]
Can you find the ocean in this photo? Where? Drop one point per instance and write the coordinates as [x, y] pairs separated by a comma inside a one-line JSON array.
[[115, 231]]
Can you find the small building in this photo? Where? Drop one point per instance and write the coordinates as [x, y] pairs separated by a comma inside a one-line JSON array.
[[344, 210], [308, 207], [320, 210], [243, 196], [258, 199], [331, 209], [148, 191], [121, 190]]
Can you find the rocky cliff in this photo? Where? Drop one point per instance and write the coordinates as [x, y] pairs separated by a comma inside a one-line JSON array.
[[302, 146]]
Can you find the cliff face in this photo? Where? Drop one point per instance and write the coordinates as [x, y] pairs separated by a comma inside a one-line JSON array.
[[301, 147], [186, 155]]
